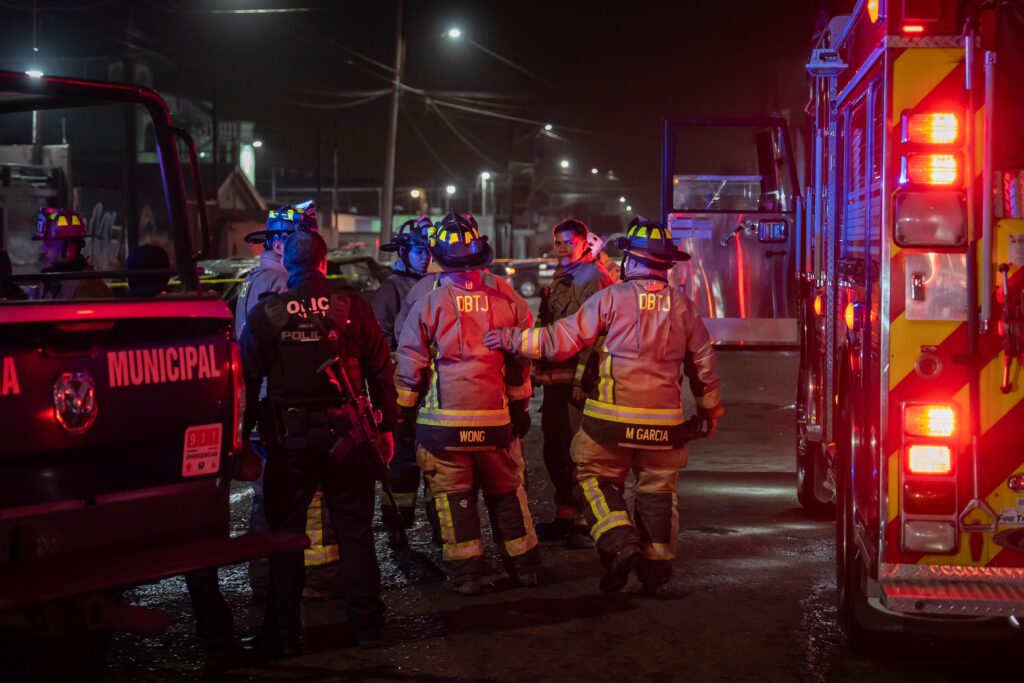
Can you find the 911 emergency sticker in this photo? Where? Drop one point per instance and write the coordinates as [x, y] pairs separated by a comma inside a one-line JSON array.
[[202, 450]]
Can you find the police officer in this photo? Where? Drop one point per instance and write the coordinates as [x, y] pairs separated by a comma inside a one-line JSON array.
[[62, 233], [411, 245], [469, 405], [287, 339], [270, 276], [653, 335], [577, 276]]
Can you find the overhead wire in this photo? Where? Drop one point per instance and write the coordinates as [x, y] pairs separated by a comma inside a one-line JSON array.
[[426, 144]]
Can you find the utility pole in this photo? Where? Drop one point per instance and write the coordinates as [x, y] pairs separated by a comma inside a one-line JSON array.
[[388, 200], [334, 184]]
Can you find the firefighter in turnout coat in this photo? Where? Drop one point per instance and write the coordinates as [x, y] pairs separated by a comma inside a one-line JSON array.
[[652, 336], [470, 407]]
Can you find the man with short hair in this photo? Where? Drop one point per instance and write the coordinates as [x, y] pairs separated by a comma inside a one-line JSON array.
[[291, 339], [577, 277]]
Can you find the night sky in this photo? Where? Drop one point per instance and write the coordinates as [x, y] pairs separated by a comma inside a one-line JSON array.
[[608, 69]]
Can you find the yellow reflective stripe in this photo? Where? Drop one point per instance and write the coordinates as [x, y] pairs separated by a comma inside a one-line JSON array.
[[580, 369], [432, 393], [463, 418], [407, 398], [463, 551], [658, 551], [606, 388], [325, 555], [658, 417], [444, 519], [615, 519], [594, 496], [523, 544]]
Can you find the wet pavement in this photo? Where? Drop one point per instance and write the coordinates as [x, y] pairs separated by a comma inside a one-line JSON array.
[[752, 598]]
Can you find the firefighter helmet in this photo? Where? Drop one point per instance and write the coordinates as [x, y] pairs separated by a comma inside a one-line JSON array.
[[651, 243], [415, 232], [59, 224], [458, 245], [286, 220]]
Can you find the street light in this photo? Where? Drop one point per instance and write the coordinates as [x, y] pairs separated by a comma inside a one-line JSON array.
[[454, 33], [628, 207], [622, 200], [593, 171], [548, 127], [450, 189], [34, 73], [415, 194], [564, 163], [257, 143], [485, 176]]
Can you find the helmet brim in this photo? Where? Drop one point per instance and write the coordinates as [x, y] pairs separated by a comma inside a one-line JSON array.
[[480, 259], [260, 236], [677, 256]]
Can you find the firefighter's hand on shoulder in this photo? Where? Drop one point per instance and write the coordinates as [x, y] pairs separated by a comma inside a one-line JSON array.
[[709, 418], [519, 412], [500, 339], [386, 446], [248, 463]]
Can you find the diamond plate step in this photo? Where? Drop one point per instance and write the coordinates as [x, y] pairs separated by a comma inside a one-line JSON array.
[[953, 590]]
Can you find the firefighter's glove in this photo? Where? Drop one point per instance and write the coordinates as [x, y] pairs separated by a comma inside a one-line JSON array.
[[500, 339], [248, 463], [407, 421], [386, 446], [709, 418], [519, 411]]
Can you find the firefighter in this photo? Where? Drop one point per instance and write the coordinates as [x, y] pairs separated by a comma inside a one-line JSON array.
[[287, 339], [411, 243], [270, 276], [577, 276], [62, 233], [472, 407], [652, 336]]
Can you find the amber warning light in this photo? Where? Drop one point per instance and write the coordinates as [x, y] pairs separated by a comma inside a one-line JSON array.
[[939, 128], [929, 459], [929, 420]]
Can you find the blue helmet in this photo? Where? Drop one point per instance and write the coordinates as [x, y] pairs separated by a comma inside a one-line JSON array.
[[284, 221]]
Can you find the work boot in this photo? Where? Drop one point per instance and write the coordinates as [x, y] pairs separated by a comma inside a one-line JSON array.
[[223, 657], [274, 647], [526, 578], [653, 574], [398, 539], [579, 538], [616, 574], [555, 530]]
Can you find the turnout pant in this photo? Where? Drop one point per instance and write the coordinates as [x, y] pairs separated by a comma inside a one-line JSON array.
[[601, 479], [558, 435], [454, 477], [404, 477], [292, 477], [214, 625]]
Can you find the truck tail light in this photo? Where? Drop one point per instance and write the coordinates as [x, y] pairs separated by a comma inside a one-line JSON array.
[[929, 420], [933, 497], [819, 305], [912, 29], [934, 128], [853, 316], [935, 170], [238, 385], [929, 459]]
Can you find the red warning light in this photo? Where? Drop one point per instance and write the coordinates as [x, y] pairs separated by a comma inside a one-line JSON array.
[[912, 28]]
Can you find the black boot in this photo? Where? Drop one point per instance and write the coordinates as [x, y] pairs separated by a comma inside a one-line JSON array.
[[616, 573]]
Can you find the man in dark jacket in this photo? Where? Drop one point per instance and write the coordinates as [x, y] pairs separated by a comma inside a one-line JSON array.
[[577, 277], [411, 244], [289, 339]]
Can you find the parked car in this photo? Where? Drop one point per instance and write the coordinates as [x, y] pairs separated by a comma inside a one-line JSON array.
[[527, 276]]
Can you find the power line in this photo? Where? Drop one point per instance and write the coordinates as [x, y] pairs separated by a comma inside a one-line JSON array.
[[427, 145], [458, 134]]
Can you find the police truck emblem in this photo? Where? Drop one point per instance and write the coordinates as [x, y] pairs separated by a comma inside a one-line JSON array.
[[74, 401]]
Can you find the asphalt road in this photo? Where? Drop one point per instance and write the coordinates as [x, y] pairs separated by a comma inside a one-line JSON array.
[[752, 597]]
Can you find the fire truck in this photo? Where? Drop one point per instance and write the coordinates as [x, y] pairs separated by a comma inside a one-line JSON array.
[[120, 415], [909, 254]]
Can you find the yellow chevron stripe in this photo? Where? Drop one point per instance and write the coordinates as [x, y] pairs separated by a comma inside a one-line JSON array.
[[917, 72], [906, 337]]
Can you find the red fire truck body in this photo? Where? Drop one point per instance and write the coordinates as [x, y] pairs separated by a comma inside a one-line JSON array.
[[910, 411]]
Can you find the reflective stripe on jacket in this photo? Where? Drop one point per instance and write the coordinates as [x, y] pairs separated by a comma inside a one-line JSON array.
[[653, 334], [461, 387]]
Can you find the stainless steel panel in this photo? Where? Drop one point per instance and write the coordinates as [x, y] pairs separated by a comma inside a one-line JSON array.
[[936, 286]]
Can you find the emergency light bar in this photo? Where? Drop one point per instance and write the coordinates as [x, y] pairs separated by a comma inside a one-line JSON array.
[[939, 128]]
